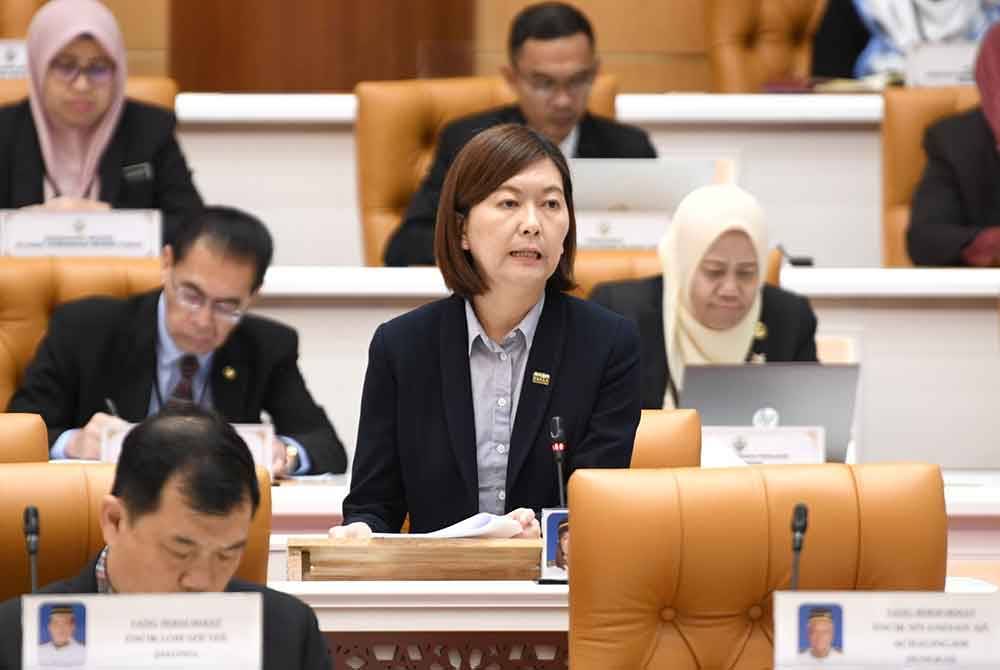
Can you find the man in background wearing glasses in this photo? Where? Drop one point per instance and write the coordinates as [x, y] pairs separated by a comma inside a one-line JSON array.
[[106, 360], [553, 64]]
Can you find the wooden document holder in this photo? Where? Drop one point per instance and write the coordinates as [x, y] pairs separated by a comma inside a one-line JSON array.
[[326, 559]]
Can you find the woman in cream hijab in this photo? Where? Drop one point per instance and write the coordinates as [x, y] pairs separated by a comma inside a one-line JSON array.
[[77, 143], [711, 305]]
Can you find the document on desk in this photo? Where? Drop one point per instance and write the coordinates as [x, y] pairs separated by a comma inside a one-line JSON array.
[[477, 525]]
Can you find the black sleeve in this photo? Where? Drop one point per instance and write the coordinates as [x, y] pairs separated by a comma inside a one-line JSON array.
[[805, 349], [296, 415], [604, 296], [413, 242], [614, 419], [51, 382], [939, 226], [377, 495], [647, 150], [176, 195], [315, 653]]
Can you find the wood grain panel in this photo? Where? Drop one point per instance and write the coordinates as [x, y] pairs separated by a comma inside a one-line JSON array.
[[306, 45]]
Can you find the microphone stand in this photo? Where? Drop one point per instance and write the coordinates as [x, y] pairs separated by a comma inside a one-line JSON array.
[[558, 437], [800, 517], [31, 543]]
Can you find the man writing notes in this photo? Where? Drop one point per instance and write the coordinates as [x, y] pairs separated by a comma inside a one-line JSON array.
[[552, 66], [177, 521], [191, 342]]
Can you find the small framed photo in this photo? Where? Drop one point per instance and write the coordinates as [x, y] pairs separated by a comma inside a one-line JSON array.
[[62, 635], [555, 548], [821, 632]]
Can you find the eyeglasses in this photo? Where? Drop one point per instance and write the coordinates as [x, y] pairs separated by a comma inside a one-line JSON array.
[[547, 87], [98, 73], [193, 300]]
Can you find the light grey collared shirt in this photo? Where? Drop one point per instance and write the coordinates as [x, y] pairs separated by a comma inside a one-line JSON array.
[[497, 372]]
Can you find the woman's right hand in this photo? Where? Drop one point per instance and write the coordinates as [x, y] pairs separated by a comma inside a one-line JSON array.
[[356, 530]]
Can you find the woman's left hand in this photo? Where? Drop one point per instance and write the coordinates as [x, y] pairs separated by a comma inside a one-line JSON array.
[[529, 524]]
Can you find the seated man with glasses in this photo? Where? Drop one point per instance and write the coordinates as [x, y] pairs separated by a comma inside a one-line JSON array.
[[191, 342], [552, 67]]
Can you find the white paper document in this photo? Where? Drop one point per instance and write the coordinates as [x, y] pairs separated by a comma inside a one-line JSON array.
[[258, 437], [477, 525]]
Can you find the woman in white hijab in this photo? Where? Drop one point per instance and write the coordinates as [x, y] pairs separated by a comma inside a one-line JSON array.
[[711, 305], [77, 143]]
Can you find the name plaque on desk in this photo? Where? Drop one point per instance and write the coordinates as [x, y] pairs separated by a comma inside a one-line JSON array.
[[14, 60], [735, 446], [872, 629], [160, 632], [120, 232], [619, 230], [258, 436]]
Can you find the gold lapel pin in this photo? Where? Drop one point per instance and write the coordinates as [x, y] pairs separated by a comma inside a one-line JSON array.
[[229, 373], [760, 331], [541, 378]]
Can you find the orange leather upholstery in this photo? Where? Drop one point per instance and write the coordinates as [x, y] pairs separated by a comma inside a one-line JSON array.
[[667, 438], [397, 129], [68, 497], [153, 90], [15, 15], [597, 266], [907, 114], [675, 568], [753, 42], [31, 288], [23, 439]]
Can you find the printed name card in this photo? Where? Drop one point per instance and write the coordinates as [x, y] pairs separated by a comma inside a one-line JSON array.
[[735, 446], [258, 436], [119, 232], [855, 629], [96, 632], [620, 230], [14, 60]]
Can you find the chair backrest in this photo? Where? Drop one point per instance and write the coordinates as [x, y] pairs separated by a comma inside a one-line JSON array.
[[15, 16], [31, 288], [684, 580], [397, 129], [23, 439], [152, 90], [752, 42], [908, 112], [594, 266], [667, 438], [68, 497]]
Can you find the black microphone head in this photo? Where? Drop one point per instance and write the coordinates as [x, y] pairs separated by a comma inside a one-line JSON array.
[[31, 520], [556, 431], [800, 518]]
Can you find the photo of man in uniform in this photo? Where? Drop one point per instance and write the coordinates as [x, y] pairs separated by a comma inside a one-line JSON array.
[[822, 643], [65, 647]]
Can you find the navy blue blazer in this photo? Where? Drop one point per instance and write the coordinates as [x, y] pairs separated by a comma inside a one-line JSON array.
[[416, 451]]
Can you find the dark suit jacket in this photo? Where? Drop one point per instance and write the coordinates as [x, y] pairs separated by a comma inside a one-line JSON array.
[[413, 242], [291, 636], [959, 193], [416, 449], [145, 134], [790, 321], [99, 348]]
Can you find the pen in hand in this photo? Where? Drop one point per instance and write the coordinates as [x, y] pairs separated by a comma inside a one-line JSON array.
[[110, 404]]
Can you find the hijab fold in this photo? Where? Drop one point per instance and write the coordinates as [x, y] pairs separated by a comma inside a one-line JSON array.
[[701, 218], [72, 156]]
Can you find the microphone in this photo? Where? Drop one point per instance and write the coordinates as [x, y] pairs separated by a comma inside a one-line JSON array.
[[800, 521], [557, 435], [31, 543], [797, 261]]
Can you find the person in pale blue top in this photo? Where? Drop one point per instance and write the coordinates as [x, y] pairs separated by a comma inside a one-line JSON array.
[[105, 361]]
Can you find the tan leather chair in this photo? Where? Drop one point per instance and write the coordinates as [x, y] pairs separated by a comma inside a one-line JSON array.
[[907, 114], [23, 439], [667, 438], [15, 16], [68, 498], [153, 90], [396, 132], [753, 42], [685, 577], [599, 266], [31, 288]]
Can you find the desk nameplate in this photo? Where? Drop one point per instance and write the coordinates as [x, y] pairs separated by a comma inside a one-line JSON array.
[[121, 232]]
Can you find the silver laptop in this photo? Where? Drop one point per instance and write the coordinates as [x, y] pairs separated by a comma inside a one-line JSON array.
[[783, 394], [626, 203]]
